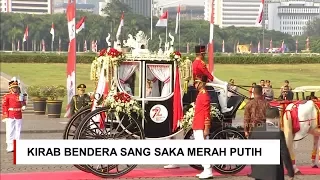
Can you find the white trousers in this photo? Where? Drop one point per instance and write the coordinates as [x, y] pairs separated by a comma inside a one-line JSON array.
[[13, 129], [198, 135]]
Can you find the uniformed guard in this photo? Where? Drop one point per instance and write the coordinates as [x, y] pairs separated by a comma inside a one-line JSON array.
[[202, 120], [80, 100], [12, 107], [199, 69]]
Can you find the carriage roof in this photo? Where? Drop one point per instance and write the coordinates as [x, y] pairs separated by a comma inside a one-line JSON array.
[[307, 89]]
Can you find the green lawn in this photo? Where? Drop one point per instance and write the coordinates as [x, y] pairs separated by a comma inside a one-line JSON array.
[[55, 74]]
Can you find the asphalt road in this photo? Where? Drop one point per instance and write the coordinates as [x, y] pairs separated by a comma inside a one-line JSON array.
[[303, 158]]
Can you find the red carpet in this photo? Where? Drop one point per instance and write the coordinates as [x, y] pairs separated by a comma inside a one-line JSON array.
[[136, 173]]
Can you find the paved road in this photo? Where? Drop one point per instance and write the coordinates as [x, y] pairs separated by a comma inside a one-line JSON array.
[[303, 158]]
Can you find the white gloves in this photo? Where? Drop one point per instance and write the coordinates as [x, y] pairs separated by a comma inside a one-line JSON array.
[[23, 108]]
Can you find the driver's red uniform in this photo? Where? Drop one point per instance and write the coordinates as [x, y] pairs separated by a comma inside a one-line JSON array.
[[202, 111], [200, 69]]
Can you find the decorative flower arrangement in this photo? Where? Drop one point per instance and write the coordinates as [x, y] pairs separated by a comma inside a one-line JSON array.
[[122, 102], [176, 56], [189, 115], [116, 56]]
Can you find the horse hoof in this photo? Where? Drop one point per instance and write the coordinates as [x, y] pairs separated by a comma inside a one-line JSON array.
[[314, 166]]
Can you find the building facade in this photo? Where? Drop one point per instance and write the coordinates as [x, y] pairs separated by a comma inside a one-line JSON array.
[[233, 12], [28, 6], [292, 16], [142, 7]]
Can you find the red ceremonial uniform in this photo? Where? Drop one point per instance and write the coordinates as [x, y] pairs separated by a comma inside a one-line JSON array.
[[202, 111], [200, 69], [11, 106]]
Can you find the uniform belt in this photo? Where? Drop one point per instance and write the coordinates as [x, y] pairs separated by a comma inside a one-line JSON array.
[[14, 109]]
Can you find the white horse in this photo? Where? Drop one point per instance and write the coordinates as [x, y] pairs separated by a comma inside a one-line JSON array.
[[300, 119]]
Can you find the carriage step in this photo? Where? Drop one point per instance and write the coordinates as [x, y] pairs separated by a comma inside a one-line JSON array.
[[136, 173]]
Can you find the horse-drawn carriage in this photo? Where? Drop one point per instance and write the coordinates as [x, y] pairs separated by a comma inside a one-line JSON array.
[[140, 103]]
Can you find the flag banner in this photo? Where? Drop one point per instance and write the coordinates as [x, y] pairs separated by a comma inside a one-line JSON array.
[[80, 24], [26, 34], [71, 65], [163, 21], [177, 20], [260, 15], [177, 102], [120, 26], [147, 152]]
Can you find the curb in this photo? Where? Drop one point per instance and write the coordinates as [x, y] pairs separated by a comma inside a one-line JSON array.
[[38, 131]]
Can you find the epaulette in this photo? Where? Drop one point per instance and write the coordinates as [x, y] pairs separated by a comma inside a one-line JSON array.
[[203, 91]]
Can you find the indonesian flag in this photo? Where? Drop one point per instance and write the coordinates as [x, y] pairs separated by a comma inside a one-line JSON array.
[[120, 26], [26, 34], [259, 47], [163, 21], [211, 42], [260, 15], [177, 20], [85, 48], [177, 102], [80, 24], [52, 32], [43, 46], [71, 65], [223, 46]]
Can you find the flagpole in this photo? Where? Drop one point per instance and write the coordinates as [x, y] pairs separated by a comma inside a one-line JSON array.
[[52, 45], [179, 30], [151, 19], [167, 27]]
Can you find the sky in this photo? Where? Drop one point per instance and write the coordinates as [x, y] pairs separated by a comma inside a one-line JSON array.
[[183, 2]]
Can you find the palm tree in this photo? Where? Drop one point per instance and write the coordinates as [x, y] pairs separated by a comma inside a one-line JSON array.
[[12, 34]]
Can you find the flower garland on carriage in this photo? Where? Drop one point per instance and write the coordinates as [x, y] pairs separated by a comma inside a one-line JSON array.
[[122, 102]]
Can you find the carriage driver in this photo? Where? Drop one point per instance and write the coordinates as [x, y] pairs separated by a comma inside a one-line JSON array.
[[199, 69]]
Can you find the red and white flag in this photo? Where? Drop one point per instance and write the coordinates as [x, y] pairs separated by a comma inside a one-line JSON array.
[[80, 24], [43, 46], [163, 21], [120, 26], [177, 102], [52, 32], [260, 15], [18, 48], [71, 65], [211, 42], [177, 20], [223, 46], [85, 48], [26, 34]]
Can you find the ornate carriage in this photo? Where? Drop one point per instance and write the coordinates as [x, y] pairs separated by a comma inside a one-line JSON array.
[[140, 102]]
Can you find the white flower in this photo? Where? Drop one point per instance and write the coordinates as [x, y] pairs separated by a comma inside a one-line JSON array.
[[118, 109]]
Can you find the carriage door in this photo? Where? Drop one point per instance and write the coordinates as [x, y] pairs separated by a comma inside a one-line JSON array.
[[158, 99]]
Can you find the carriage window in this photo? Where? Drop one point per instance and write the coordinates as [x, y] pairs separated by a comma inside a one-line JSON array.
[[129, 77], [158, 80]]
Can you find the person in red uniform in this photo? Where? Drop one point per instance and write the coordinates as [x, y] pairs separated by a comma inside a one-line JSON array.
[[12, 106], [200, 69], [202, 120]]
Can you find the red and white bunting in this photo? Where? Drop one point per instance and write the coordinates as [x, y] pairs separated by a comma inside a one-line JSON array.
[[120, 26], [260, 15], [211, 42], [43, 46], [80, 24], [71, 65], [26, 34], [177, 20], [223, 46], [163, 21], [52, 32]]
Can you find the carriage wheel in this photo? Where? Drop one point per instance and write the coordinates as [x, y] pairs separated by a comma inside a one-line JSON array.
[[228, 133], [72, 126], [89, 129]]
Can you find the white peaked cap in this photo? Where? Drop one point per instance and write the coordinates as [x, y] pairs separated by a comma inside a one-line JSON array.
[[15, 79]]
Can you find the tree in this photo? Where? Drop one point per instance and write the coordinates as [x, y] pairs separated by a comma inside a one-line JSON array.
[[313, 28]]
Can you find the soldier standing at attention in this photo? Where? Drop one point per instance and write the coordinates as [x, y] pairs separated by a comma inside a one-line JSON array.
[[255, 111], [12, 106], [200, 69], [80, 100], [202, 121]]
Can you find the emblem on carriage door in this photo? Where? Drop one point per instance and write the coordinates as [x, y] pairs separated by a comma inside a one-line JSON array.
[[158, 113]]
